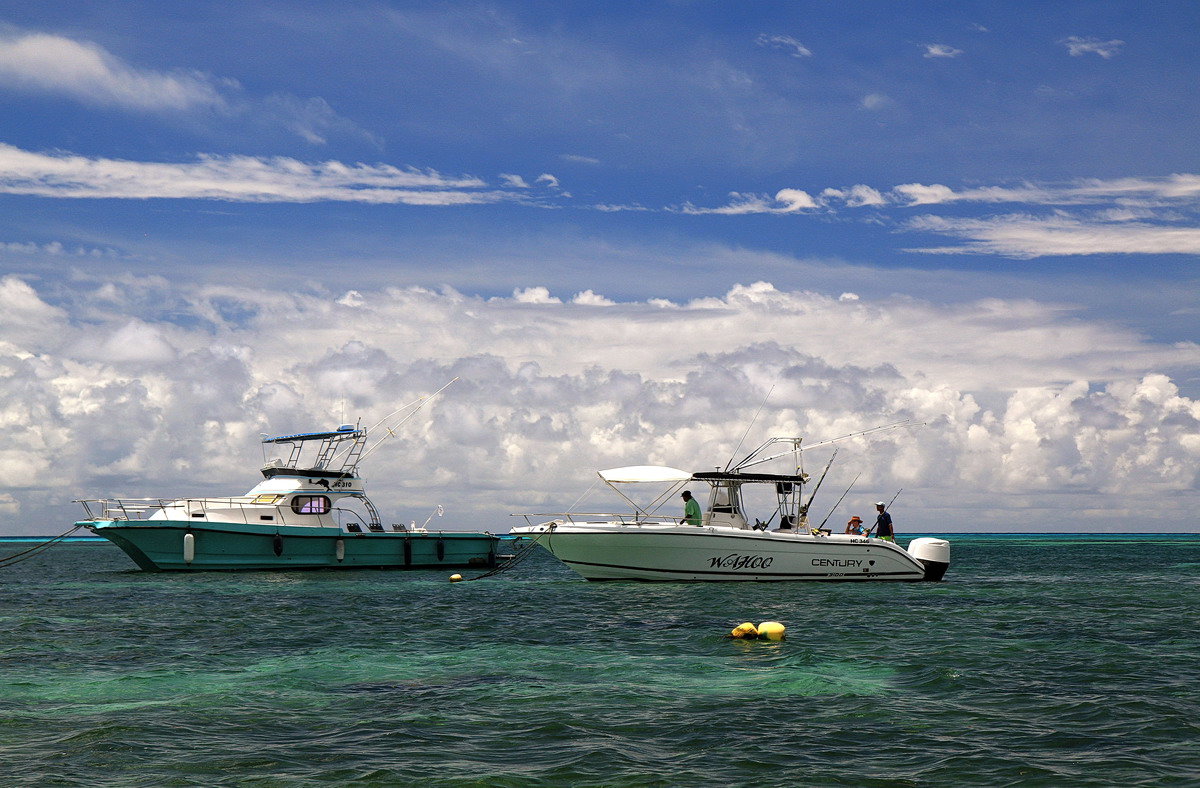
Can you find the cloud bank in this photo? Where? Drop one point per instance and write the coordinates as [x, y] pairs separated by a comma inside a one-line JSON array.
[[142, 387]]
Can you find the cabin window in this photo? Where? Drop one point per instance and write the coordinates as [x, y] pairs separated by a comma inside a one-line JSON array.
[[267, 498], [310, 504]]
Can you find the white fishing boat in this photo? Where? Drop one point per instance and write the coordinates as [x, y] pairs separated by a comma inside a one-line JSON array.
[[725, 545]]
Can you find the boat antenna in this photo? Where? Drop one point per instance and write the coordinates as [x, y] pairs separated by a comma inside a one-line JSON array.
[[818, 484], [839, 503], [749, 427], [420, 402]]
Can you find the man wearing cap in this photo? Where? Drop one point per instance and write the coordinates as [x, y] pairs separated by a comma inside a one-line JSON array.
[[883, 523]]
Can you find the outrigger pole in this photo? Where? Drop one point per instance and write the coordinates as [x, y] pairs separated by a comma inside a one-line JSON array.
[[749, 427], [420, 402]]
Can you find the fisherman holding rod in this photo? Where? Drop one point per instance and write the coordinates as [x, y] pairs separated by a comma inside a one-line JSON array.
[[883, 522]]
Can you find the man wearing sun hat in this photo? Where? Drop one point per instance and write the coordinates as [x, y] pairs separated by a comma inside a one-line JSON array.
[[855, 525]]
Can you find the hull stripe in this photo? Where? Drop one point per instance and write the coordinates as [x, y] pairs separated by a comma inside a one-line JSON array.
[[573, 564]]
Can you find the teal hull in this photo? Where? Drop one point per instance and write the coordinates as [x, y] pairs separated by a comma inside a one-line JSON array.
[[159, 546]]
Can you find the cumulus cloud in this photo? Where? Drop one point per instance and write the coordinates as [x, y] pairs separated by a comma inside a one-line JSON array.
[[156, 388], [235, 179], [1078, 46]]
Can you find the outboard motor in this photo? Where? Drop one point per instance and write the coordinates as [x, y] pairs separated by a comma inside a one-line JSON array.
[[934, 555]]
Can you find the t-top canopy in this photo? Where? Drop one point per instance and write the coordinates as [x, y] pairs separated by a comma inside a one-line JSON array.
[[738, 476], [346, 430], [636, 474]]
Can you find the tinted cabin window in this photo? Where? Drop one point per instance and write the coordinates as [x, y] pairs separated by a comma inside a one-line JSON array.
[[310, 504]]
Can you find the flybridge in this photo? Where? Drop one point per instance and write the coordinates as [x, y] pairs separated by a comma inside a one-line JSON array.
[[326, 462]]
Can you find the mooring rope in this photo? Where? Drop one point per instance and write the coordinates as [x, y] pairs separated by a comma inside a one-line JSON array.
[[519, 556], [15, 558]]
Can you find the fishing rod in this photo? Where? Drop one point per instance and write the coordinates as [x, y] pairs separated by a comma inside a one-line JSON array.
[[885, 508], [839, 503], [829, 464]]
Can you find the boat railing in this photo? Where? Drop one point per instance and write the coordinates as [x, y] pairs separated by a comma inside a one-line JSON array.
[[142, 508], [592, 518]]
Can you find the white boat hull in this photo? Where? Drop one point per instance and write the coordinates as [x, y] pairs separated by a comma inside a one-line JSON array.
[[614, 551]]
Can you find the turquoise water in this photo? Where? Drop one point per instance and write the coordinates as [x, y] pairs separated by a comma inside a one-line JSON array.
[[1041, 661]]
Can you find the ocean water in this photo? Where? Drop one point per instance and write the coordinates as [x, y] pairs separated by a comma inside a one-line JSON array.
[[1058, 661]]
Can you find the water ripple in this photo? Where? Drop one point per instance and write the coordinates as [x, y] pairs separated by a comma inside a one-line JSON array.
[[1052, 662]]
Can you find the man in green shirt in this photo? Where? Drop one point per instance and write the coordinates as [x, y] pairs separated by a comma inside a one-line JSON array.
[[691, 509]]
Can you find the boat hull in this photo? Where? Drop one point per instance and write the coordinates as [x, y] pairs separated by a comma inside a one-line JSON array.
[[727, 555], [165, 546]]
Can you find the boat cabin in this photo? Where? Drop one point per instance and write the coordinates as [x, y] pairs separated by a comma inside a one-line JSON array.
[[726, 508]]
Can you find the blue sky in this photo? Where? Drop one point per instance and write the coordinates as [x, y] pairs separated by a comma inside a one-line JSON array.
[[988, 206]]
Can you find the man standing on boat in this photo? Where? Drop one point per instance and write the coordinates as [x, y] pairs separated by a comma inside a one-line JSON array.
[[691, 509], [883, 523]]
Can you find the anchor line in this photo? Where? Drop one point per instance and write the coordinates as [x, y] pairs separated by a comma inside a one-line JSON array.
[[519, 556], [15, 558]]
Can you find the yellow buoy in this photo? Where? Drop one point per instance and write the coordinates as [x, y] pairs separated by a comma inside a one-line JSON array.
[[771, 630], [455, 578], [745, 630]]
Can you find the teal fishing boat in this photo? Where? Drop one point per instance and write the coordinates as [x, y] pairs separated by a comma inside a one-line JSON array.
[[310, 511]]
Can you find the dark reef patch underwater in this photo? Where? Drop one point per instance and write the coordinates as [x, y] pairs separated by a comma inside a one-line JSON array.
[[1071, 660]]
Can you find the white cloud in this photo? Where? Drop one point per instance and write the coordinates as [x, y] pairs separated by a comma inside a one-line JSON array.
[[1019, 397], [1022, 235], [546, 179], [1078, 46], [235, 179], [787, 43], [54, 65], [534, 295], [855, 197], [514, 181], [588, 298], [784, 201], [876, 101], [941, 50], [1172, 188], [87, 73], [577, 159]]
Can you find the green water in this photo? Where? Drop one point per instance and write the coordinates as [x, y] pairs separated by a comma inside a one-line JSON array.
[[1041, 661]]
